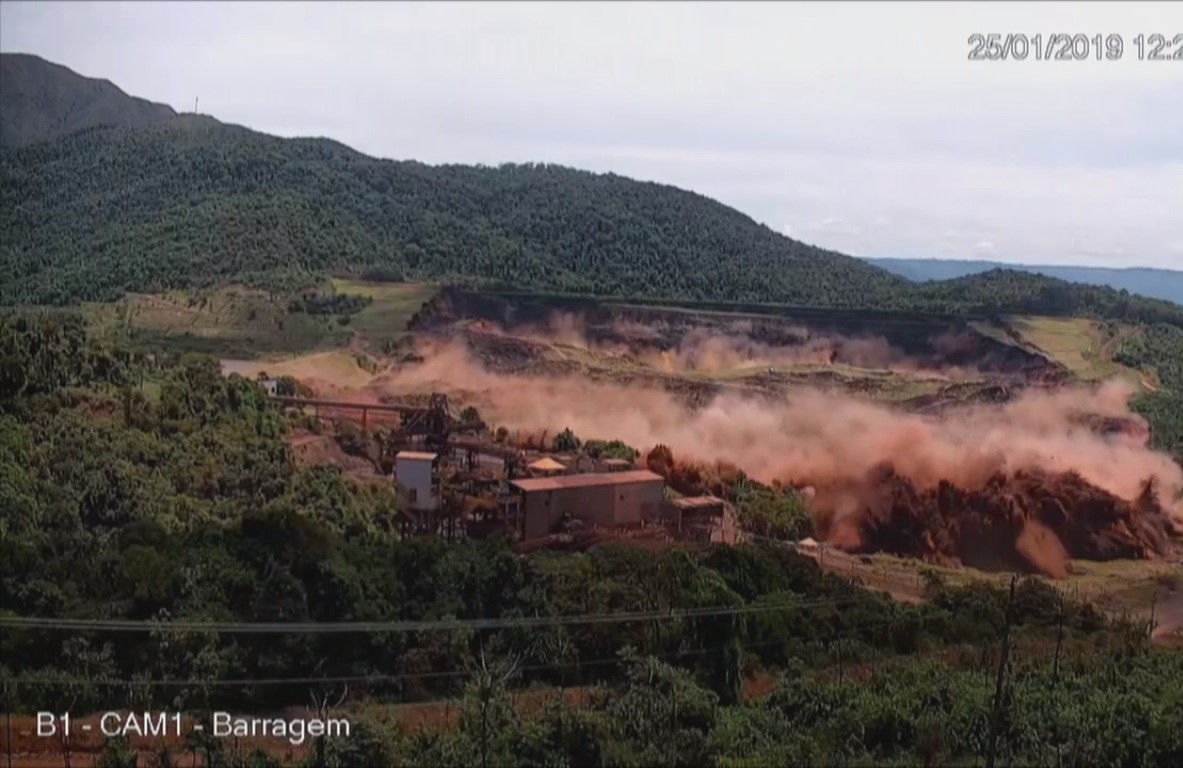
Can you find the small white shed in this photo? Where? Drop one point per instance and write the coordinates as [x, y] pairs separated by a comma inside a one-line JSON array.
[[414, 479]]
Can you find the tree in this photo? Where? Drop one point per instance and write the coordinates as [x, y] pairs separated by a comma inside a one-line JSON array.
[[776, 514], [325, 699], [566, 441], [662, 716], [611, 449], [487, 710], [117, 753]]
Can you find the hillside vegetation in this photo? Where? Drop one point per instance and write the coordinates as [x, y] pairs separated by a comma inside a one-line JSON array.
[[1154, 283], [229, 322], [1007, 291], [1160, 348], [196, 203]]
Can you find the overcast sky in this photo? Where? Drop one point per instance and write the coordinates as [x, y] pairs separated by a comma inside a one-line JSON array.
[[859, 127]]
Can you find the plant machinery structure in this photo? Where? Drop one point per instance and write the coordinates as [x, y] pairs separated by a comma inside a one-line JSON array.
[[454, 480], [428, 426]]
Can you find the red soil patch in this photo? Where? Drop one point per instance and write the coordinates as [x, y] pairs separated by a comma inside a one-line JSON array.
[[311, 449]]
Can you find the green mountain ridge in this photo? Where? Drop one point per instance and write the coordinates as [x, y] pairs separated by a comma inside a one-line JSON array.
[[190, 202], [1166, 284], [211, 202]]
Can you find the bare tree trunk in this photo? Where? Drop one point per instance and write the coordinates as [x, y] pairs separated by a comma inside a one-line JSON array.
[[1000, 684]]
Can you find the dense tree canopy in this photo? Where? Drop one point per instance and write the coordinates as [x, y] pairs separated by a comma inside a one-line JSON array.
[[1007, 291], [196, 201], [1160, 347], [193, 202]]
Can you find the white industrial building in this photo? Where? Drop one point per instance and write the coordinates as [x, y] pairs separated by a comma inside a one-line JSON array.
[[415, 480]]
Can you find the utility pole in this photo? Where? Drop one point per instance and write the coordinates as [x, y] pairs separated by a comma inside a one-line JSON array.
[[1056, 675], [11, 691], [1153, 608], [1000, 682], [195, 105], [1059, 644]]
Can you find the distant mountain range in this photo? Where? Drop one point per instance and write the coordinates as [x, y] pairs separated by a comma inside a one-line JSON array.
[[1156, 283]]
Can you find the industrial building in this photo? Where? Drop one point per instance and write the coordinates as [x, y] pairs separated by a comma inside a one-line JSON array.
[[606, 500], [705, 519], [453, 479], [416, 480]]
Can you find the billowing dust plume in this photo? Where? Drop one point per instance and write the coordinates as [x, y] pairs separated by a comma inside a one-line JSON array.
[[855, 456], [713, 350]]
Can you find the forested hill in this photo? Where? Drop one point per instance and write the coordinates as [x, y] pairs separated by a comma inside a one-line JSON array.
[[40, 100], [1011, 291], [1156, 283], [194, 201]]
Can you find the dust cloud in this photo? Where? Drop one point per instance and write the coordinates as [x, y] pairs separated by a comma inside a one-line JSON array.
[[730, 347], [825, 440]]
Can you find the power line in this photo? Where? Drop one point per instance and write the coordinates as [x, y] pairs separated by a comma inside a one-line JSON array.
[[245, 682], [358, 627], [249, 682]]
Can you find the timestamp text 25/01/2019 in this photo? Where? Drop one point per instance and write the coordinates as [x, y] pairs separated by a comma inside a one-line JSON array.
[[1059, 46]]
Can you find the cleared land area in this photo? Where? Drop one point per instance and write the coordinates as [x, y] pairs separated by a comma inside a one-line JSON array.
[[320, 370], [244, 323], [227, 322], [1080, 345], [1142, 589], [393, 304]]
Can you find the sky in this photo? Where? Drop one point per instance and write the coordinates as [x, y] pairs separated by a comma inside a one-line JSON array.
[[858, 127]]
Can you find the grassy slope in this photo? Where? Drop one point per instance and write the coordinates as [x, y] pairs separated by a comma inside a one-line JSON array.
[[1119, 587], [231, 321], [237, 322], [1083, 346], [393, 305], [338, 367]]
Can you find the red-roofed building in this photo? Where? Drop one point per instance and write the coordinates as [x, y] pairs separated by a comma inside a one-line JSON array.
[[607, 500]]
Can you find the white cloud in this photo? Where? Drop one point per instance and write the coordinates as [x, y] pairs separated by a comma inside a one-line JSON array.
[[866, 113]]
